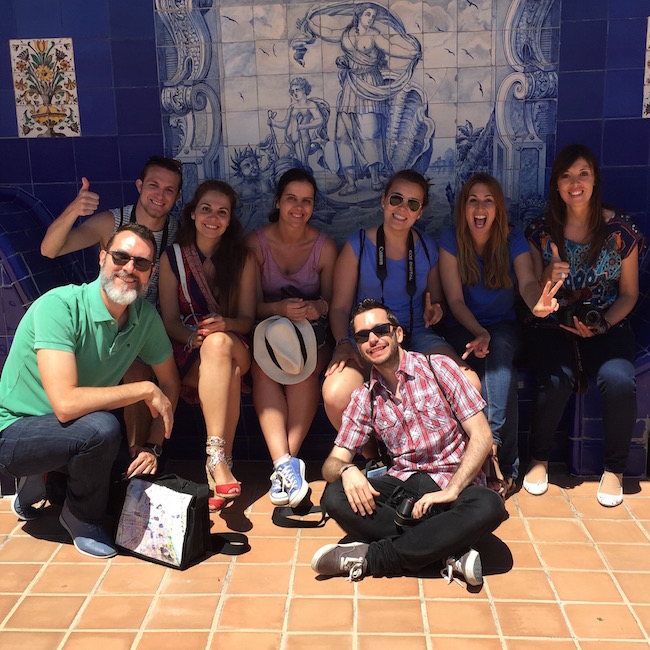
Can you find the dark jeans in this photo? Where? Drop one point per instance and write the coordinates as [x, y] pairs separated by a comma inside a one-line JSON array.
[[84, 449], [610, 359], [476, 512]]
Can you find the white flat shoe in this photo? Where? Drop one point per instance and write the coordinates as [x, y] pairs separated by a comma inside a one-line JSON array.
[[538, 488], [609, 500]]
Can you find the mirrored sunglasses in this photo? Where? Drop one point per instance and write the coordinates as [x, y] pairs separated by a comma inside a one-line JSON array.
[[378, 330], [120, 258], [397, 199]]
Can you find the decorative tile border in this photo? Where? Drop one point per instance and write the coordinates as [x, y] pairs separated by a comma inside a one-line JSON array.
[[45, 86], [645, 111]]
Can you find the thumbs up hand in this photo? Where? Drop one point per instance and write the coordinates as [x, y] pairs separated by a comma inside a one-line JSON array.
[[557, 270], [86, 202]]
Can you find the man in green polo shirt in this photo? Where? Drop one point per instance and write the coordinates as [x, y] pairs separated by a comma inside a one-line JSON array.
[[61, 380]]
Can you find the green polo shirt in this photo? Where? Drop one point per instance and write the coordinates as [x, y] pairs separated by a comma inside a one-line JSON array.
[[74, 319]]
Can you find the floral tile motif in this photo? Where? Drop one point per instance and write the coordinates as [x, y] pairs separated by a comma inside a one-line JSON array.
[[45, 86]]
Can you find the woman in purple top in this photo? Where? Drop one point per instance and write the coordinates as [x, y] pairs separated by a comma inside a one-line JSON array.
[[294, 256], [481, 261]]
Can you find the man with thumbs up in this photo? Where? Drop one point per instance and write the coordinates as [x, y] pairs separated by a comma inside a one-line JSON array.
[[159, 187]]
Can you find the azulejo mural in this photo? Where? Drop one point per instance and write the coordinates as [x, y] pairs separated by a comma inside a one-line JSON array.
[[355, 91], [45, 87]]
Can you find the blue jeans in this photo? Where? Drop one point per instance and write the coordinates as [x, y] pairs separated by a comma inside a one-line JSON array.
[[499, 378], [84, 449], [609, 358], [396, 552]]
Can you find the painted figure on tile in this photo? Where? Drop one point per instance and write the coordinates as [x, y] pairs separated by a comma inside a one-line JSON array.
[[363, 113], [253, 183], [305, 123]]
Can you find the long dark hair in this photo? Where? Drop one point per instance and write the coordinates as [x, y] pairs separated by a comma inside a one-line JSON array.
[[294, 174], [557, 213], [230, 255]]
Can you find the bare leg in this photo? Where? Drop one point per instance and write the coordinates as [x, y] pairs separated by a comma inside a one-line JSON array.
[[337, 389], [137, 417]]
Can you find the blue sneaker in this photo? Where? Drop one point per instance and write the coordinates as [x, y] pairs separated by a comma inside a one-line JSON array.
[[89, 539], [278, 494], [292, 474], [29, 491]]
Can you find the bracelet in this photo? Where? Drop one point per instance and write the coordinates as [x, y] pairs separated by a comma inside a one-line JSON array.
[[345, 339], [188, 345], [347, 467], [327, 307]]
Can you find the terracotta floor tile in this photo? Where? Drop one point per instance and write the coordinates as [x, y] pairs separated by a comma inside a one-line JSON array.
[[204, 578], [589, 508], [46, 612], [512, 529], [307, 546], [263, 527], [241, 641], [570, 556], [143, 578], [8, 523], [598, 621], [16, 577], [6, 603], [610, 644], [635, 586], [271, 550], [252, 613], [321, 614], [532, 619], [307, 583], [67, 579], [643, 612], [466, 643], [27, 549], [557, 530], [640, 507], [524, 555], [99, 641], [182, 613], [121, 612], [460, 617], [403, 642], [330, 529], [520, 584], [379, 615], [319, 642], [264, 579], [438, 588], [174, 640], [586, 586], [68, 554], [624, 532], [626, 557], [390, 587], [545, 506], [30, 640], [541, 644]]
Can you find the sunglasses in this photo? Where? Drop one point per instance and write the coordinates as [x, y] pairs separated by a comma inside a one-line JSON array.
[[378, 330], [167, 163], [397, 199], [120, 258]]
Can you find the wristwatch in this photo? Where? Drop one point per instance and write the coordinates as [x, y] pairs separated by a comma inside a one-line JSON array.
[[154, 448]]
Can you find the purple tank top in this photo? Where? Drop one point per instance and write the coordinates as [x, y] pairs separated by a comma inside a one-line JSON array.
[[306, 279]]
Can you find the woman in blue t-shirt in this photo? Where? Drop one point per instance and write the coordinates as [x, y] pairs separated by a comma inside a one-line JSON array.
[[594, 252], [481, 261]]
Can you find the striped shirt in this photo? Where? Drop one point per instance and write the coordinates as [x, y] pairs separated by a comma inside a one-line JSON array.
[[420, 430]]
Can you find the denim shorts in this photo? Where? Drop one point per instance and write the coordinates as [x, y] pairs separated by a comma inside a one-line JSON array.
[[426, 341]]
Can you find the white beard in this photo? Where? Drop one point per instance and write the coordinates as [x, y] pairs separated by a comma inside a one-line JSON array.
[[124, 295]]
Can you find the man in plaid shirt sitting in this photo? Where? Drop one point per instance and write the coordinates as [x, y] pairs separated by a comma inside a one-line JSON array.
[[414, 405]]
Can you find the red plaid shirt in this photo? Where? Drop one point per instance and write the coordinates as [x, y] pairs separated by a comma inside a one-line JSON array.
[[421, 430]]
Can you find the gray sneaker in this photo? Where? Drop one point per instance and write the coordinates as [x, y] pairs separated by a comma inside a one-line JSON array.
[[30, 490], [341, 559], [89, 539], [468, 566]]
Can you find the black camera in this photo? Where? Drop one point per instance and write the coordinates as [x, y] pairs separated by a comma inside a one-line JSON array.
[[404, 512], [584, 311]]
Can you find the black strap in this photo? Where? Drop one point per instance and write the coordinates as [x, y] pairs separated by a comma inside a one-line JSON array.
[[287, 517]]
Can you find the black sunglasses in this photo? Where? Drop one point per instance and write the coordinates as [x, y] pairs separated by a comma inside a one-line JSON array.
[[120, 258], [378, 330], [166, 163], [397, 199]]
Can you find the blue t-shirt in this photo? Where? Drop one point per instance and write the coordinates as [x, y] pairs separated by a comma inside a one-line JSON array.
[[488, 306], [395, 296]]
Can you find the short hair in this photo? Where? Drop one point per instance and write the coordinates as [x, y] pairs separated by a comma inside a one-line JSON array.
[[170, 164], [302, 83], [411, 176], [370, 303], [140, 231]]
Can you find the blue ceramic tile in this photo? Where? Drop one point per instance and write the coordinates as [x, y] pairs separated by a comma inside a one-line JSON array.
[[623, 93], [583, 45], [38, 19], [52, 159], [130, 19], [138, 111], [581, 10], [110, 195], [97, 108], [8, 23], [626, 43], [626, 142], [587, 132], [625, 188], [134, 63], [8, 124], [628, 9], [580, 95], [134, 151], [14, 161], [83, 19], [56, 196], [97, 159], [93, 63]]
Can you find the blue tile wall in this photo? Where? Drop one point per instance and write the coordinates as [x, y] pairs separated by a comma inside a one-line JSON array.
[[138, 110], [52, 160], [83, 20], [626, 142], [623, 93], [622, 38], [627, 8], [583, 45], [14, 162], [589, 132], [98, 114], [133, 61], [581, 10], [130, 19], [37, 19], [581, 95], [97, 158], [93, 63]]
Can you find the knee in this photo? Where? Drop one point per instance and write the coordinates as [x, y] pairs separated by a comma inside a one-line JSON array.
[[106, 430], [334, 500], [217, 345], [617, 376], [337, 392]]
